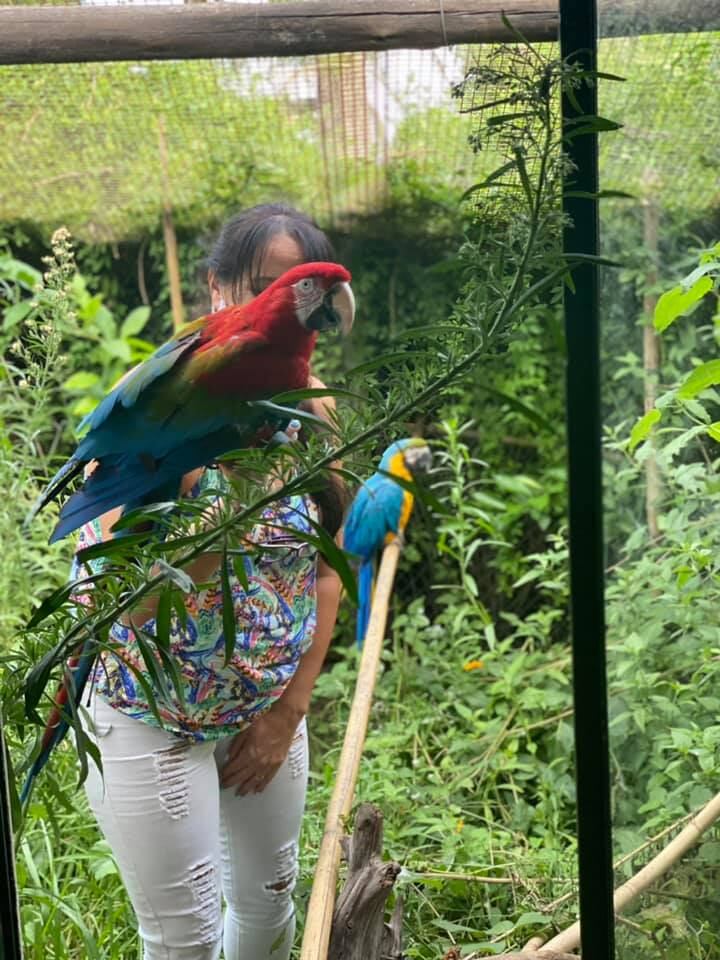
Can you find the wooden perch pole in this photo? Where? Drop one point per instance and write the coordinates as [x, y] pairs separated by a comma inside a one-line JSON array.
[[322, 898], [624, 895]]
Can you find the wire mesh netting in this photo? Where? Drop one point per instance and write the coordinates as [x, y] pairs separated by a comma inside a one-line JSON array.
[[102, 147]]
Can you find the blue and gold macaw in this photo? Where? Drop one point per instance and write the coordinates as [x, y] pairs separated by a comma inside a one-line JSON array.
[[380, 512]]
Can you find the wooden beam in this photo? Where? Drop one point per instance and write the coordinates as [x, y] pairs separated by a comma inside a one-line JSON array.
[[65, 34], [68, 34]]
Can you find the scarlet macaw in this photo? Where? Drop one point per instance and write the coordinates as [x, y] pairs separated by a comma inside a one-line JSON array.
[[194, 399], [380, 512], [202, 394]]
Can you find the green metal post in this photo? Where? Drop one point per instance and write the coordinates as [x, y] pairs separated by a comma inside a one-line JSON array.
[[578, 43], [10, 942]]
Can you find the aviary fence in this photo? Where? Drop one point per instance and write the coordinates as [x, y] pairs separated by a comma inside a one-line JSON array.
[[330, 83]]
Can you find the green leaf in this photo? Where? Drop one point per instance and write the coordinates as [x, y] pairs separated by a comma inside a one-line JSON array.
[[528, 412], [162, 618], [434, 331], [170, 665], [151, 664], [104, 320], [643, 427], [325, 544], [84, 745], [387, 360], [180, 608], [139, 349], [109, 548], [706, 267], [16, 313], [82, 380], [39, 675], [56, 599], [588, 123], [84, 405], [149, 512], [228, 608], [600, 195], [714, 431], [284, 413], [501, 118], [674, 303], [488, 181], [524, 178], [176, 575], [310, 393], [117, 349], [134, 322], [704, 376]]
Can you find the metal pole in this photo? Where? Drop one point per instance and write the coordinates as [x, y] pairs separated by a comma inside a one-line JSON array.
[[10, 942], [578, 42]]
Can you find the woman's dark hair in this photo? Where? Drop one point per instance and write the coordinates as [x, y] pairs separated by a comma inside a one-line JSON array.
[[237, 255], [242, 242]]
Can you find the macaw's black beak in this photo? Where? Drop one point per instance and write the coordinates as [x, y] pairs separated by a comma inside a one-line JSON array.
[[336, 312]]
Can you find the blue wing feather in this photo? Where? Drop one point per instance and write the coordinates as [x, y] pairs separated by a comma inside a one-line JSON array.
[[126, 393], [365, 583], [375, 512]]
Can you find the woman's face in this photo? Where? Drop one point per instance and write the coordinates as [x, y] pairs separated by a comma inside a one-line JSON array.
[[282, 253]]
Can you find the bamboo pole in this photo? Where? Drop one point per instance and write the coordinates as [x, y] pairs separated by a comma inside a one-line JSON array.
[[651, 347], [624, 895], [316, 938], [171, 251]]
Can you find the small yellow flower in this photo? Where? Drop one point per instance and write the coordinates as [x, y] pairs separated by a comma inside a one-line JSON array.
[[473, 665], [459, 825]]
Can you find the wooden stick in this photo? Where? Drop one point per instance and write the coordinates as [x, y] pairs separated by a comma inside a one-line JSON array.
[[171, 251], [569, 939], [322, 898]]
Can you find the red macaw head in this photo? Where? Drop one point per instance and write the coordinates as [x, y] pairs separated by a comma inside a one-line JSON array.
[[319, 295]]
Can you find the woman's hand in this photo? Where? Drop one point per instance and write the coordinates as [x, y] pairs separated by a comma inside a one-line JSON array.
[[256, 754]]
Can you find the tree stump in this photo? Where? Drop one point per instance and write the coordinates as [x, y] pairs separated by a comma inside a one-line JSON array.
[[359, 931]]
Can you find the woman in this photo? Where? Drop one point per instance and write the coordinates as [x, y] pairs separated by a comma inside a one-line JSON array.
[[208, 799]]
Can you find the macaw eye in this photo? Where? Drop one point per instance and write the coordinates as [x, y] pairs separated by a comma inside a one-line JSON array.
[[306, 285]]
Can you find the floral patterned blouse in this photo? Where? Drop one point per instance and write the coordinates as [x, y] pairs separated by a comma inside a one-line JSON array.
[[275, 623]]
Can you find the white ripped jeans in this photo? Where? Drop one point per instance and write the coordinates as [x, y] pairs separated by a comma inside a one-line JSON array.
[[180, 841]]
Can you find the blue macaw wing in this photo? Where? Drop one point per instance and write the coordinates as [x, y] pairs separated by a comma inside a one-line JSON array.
[[129, 389], [137, 479], [375, 512]]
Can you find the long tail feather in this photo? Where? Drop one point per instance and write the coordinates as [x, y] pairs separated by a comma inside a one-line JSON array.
[[65, 475], [72, 685], [365, 585]]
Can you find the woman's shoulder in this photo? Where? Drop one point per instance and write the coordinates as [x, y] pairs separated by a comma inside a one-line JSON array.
[[321, 406]]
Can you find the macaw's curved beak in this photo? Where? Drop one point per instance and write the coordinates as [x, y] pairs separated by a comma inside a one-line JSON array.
[[336, 312]]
